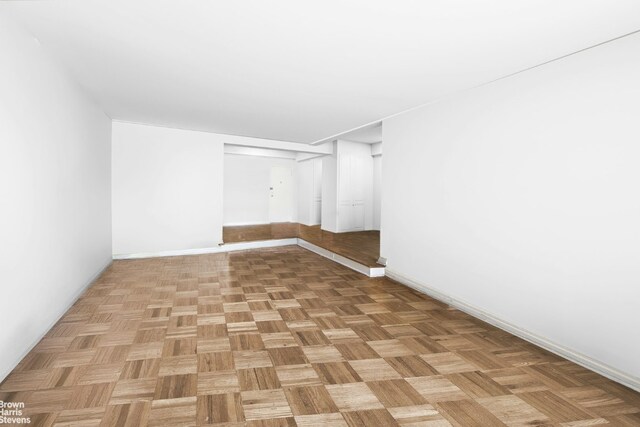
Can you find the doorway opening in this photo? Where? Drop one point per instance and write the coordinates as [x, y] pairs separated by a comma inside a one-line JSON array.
[[332, 201]]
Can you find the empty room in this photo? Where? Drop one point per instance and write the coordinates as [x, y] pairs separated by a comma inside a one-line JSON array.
[[304, 213]]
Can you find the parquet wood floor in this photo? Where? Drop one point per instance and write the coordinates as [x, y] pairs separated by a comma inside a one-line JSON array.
[[252, 233], [360, 246], [284, 337]]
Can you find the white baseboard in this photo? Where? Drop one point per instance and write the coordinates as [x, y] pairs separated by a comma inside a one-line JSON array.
[[360, 268], [569, 354], [229, 247], [241, 246], [66, 308], [242, 224]]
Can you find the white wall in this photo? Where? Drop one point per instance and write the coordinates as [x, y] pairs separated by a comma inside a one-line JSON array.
[[167, 189], [521, 198], [246, 188], [377, 191], [55, 219], [309, 173], [329, 210]]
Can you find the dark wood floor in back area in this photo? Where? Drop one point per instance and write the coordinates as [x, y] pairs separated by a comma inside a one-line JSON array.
[[284, 337], [360, 246]]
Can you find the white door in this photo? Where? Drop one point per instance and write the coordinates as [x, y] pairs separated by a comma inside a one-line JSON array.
[[316, 202], [351, 193], [357, 193], [281, 194], [345, 201]]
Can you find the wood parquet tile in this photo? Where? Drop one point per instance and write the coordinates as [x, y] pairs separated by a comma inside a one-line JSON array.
[[283, 337]]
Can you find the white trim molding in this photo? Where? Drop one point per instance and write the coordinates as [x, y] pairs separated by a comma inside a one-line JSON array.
[[567, 353], [240, 150], [242, 224], [360, 268], [242, 246], [229, 247]]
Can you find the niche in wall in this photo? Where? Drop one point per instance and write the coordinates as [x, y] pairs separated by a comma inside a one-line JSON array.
[[259, 188], [348, 188]]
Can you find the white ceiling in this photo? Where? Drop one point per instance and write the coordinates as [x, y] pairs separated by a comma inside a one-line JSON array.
[[300, 70]]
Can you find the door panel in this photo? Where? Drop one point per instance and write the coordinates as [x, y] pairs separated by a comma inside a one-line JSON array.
[[345, 216], [316, 212], [281, 194], [357, 217], [357, 194], [357, 179], [316, 202], [351, 196], [344, 179]]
